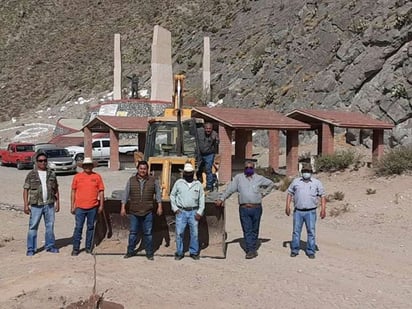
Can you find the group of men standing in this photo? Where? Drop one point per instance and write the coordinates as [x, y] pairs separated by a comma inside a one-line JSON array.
[[187, 198]]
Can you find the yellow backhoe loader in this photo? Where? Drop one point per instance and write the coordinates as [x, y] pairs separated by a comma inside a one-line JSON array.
[[171, 141]]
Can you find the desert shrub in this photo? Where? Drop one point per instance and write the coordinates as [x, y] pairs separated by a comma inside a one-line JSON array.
[[334, 162], [395, 162], [336, 196], [285, 183], [399, 91], [338, 210]]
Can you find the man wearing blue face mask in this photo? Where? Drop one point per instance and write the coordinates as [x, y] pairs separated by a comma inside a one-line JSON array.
[[251, 187], [305, 192]]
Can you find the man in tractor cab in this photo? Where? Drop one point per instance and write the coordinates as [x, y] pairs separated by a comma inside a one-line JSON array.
[[208, 142]]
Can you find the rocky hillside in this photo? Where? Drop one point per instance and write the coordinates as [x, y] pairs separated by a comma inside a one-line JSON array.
[[275, 54]]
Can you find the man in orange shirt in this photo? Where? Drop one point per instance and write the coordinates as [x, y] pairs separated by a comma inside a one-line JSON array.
[[87, 198]]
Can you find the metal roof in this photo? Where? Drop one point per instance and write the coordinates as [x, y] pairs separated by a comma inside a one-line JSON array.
[[119, 124], [342, 119], [249, 118]]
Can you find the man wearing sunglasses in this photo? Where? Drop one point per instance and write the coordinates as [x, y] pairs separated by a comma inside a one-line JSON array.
[[41, 199]]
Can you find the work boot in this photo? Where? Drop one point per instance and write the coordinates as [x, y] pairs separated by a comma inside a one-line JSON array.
[[195, 256], [178, 257], [128, 255], [75, 252], [251, 255]]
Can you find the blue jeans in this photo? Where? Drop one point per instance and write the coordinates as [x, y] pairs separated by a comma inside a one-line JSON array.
[[47, 211], [184, 218], [80, 216], [207, 163], [144, 223], [250, 221], [309, 218]]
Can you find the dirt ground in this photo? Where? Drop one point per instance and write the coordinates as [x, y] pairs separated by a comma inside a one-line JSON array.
[[364, 257]]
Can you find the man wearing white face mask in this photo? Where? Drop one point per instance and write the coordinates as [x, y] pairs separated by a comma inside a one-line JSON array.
[[305, 192], [187, 200]]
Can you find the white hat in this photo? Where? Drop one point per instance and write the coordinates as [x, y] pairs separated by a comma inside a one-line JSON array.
[[188, 168], [88, 160]]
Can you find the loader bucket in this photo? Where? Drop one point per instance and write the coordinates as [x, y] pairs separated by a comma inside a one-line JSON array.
[[112, 231]]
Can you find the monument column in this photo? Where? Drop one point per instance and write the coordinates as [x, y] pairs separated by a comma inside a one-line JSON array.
[[162, 75], [206, 70], [117, 74]]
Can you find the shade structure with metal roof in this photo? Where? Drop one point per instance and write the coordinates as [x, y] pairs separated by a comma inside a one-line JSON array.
[[114, 125], [343, 119], [249, 118], [325, 121], [118, 124]]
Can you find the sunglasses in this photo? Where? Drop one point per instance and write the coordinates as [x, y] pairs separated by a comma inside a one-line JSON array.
[[42, 161]]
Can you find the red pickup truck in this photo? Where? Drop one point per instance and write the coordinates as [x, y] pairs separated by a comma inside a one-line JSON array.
[[18, 154]]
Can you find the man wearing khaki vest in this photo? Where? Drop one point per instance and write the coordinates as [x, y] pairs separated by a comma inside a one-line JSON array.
[[140, 191]]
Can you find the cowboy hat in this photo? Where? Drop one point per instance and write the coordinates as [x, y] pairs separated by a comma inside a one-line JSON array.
[[188, 168], [87, 161]]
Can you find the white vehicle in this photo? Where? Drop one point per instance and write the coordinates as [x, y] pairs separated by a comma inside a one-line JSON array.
[[100, 150]]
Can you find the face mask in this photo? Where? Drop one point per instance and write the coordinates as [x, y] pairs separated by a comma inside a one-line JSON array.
[[249, 171], [306, 175], [188, 177]]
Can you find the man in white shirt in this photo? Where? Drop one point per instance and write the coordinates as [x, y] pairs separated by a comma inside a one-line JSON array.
[[41, 199]]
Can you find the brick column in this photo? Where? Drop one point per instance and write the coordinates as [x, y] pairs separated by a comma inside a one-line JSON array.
[[141, 140], [114, 151], [377, 145], [273, 149], [292, 153], [327, 139], [243, 145], [87, 142], [225, 151]]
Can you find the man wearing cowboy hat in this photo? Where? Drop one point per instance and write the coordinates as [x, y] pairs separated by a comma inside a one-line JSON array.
[[87, 198], [305, 192], [187, 199]]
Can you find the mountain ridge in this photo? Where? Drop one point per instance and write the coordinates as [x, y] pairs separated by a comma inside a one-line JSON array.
[[350, 55]]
